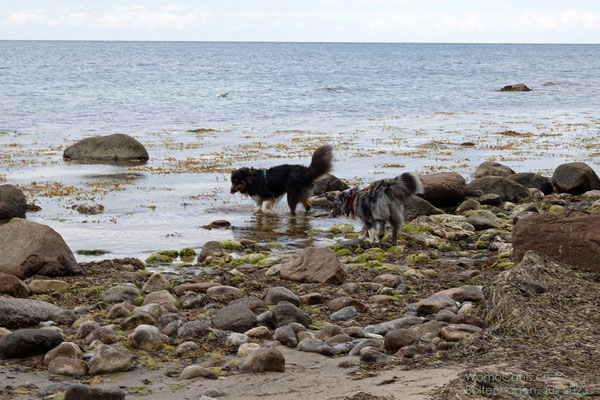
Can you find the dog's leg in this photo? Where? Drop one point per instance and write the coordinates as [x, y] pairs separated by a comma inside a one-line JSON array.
[[381, 231], [292, 203], [306, 205], [259, 202], [396, 220], [267, 207], [363, 233]]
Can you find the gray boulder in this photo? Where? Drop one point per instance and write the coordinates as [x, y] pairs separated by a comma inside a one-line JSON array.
[[575, 178], [492, 168], [22, 313], [236, 317], [533, 180], [417, 206], [280, 293], [111, 148], [108, 359], [29, 248], [444, 189], [286, 313], [507, 190], [29, 342], [328, 183], [12, 202]]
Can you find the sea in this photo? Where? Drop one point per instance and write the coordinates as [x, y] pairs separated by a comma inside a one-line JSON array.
[[205, 108]]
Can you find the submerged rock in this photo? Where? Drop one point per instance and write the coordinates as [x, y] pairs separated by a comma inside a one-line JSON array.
[[519, 87], [112, 148]]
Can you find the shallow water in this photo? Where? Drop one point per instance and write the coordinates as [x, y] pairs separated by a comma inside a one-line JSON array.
[[385, 108]]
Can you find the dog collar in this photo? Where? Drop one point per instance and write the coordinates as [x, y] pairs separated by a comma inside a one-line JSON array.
[[265, 176]]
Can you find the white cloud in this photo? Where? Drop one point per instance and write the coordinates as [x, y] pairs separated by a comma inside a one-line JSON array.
[[26, 16], [143, 17]]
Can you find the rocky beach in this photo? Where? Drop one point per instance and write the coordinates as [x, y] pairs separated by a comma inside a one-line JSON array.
[[490, 292]]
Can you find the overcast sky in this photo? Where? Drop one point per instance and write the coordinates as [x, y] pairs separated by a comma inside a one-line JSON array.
[[491, 21]]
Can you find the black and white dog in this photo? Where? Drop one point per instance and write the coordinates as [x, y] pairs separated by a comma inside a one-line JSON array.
[[381, 203], [266, 186]]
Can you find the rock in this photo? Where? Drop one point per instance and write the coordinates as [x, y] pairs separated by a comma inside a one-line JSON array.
[[139, 318], [263, 360], [416, 206], [194, 371], [463, 293], [211, 248], [201, 287], [507, 190], [519, 87], [492, 168], [28, 342], [467, 205], [433, 304], [78, 391], [90, 208], [575, 178], [388, 280], [457, 332], [260, 332], [86, 328], [328, 183], [571, 240], [118, 311], [374, 343], [108, 359], [163, 298], [186, 348], [19, 313], [117, 294], [103, 334], [65, 350], [314, 264], [344, 314], [13, 203], [316, 346], [256, 305], [156, 283], [147, 339], [247, 348], [490, 199], [286, 313], [396, 339], [329, 331], [48, 285], [237, 339], [224, 292], [340, 302], [111, 148], [68, 366], [280, 293], [484, 219], [29, 248], [214, 393], [156, 310], [429, 329], [445, 316], [13, 286], [444, 189], [286, 336], [532, 180], [311, 299], [236, 317], [355, 332], [192, 330], [339, 339], [371, 356]]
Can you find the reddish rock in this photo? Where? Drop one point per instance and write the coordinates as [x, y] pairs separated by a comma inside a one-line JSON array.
[[571, 240], [314, 264], [444, 189]]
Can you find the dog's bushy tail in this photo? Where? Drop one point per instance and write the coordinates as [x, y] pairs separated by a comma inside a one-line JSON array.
[[411, 182], [401, 187], [321, 161]]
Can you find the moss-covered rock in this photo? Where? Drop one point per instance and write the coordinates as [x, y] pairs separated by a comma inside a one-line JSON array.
[[341, 229], [231, 244], [158, 258], [343, 252], [169, 253], [395, 250], [187, 252], [418, 258]]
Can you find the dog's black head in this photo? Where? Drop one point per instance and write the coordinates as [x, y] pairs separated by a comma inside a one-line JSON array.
[[240, 180], [341, 204]]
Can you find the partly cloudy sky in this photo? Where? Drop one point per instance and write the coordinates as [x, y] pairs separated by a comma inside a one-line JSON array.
[[506, 21]]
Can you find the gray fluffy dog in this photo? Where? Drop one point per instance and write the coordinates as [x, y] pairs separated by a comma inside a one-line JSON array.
[[381, 203]]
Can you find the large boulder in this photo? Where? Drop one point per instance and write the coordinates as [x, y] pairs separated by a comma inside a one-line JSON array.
[[492, 168], [314, 264], [507, 190], [111, 148], [236, 317], [22, 313], [328, 183], [12, 202], [571, 240], [29, 248], [575, 178], [519, 87], [29, 342], [533, 180], [444, 189]]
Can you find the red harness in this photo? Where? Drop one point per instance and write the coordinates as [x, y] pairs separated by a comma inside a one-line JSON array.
[[353, 198]]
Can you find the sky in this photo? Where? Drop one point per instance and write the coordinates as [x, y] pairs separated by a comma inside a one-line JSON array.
[[458, 21]]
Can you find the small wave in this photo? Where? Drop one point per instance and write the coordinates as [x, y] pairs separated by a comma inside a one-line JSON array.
[[222, 95], [335, 89]]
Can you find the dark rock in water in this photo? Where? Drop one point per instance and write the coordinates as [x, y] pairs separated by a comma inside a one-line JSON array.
[[416, 206], [81, 392], [328, 183], [316, 346], [111, 148], [492, 168], [507, 190], [280, 293], [533, 180], [236, 317], [220, 223], [13, 286], [519, 87], [314, 264], [444, 189], [575, 178], [263, 360], [287, 313], [29, 248], [572, 240], [29, 342], [12, 202], [22, 313]]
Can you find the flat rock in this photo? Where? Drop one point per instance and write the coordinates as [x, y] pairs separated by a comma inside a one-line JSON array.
[[314, 264], [195, 371], [111, 148], [457, 332], [28, 342], [20, 313], [68, 366], [78, 391], [433, 304], [108, 359], [316, 346], [48, 285], [29, 248], [200, 287]]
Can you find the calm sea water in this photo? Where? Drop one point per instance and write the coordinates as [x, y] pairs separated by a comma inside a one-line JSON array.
[[379, 104]]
